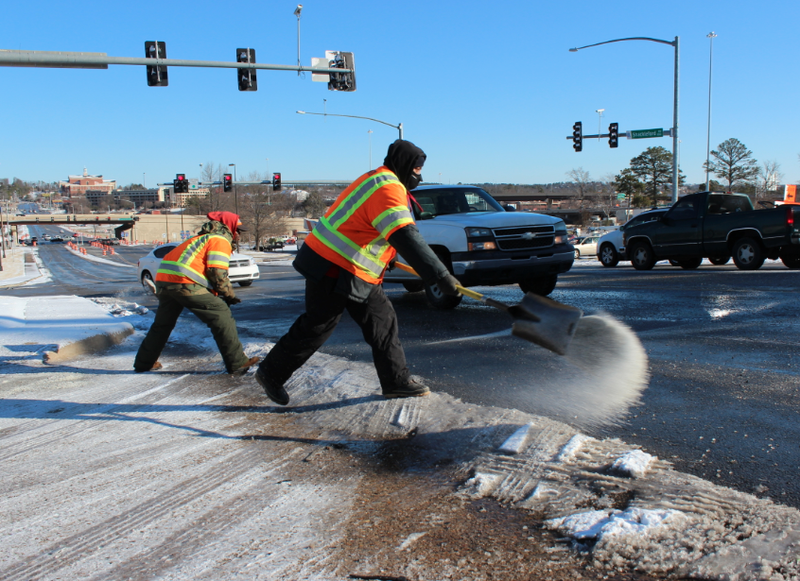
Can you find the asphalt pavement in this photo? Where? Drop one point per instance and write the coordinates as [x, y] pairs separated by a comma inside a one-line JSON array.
[[190, 474]]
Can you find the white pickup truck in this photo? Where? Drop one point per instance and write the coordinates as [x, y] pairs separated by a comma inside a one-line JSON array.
[[483, 244]]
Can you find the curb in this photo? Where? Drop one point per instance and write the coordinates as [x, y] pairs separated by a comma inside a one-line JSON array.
[[93, 344]]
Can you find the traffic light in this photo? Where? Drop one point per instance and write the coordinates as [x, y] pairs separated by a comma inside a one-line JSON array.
[[276, 182], [156, 75], [227, 182], [342, 81], [577, 136], [180, 185], [613, 135], [246, 77]]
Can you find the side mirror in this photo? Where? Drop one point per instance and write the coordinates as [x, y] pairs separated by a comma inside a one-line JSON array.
[[509, 208], [425, 215]]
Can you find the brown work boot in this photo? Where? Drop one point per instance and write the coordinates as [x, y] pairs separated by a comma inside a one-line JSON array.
[[243, 369], [156, 366], [411, 389]]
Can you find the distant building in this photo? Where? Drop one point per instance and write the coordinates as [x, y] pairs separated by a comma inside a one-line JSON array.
[[78, 186], [195, 191], [141, 197]]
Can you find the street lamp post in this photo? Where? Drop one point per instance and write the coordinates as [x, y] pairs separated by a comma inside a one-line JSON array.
[[599, 122], [399, 127], [711, 36], [235, 190], [674, 43]]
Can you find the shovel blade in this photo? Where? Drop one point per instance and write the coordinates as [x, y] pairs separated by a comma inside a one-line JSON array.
[[545, 322]]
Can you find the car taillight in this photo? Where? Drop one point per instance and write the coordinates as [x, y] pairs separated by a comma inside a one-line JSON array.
[[789, 216]]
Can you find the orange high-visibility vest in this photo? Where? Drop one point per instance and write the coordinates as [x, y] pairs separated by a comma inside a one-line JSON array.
[[187, 263], [354, 231]]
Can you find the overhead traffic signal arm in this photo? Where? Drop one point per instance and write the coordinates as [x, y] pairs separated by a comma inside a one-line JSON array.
[[577, 136]]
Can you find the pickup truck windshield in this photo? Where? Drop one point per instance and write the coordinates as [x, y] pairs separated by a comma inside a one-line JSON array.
[[455, 200]]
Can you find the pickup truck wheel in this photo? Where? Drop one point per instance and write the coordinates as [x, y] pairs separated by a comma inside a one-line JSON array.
[[439, 300], [719, 260], [608, 256], [642, 256], [541, 286], [747, 254], [690, 263], [414, 286], [792, 262], [245, 282]]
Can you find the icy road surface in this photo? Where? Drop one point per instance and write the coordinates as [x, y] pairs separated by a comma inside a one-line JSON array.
[[189, 474]]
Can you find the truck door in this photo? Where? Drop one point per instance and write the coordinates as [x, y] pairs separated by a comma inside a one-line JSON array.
[[681, 234]]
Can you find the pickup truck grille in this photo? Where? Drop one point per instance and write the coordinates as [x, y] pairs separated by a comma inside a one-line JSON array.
[[526, 237], [235, 263]]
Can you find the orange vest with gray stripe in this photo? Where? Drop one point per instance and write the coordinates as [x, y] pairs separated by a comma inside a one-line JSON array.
[[354, 231], [187, 263]]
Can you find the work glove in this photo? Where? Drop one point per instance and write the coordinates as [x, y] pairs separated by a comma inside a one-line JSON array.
[[447, 284], [232, 300], [392, 264]]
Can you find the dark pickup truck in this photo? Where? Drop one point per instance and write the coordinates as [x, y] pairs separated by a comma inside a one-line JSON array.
[[717, 226]]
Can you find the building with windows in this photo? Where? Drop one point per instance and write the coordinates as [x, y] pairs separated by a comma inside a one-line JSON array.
[[79, 186], [195, 191]]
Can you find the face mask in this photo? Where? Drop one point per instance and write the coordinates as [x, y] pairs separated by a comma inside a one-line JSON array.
[[413, 181]]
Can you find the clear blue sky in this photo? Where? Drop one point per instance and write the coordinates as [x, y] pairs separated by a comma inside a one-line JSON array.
[[489, 90]]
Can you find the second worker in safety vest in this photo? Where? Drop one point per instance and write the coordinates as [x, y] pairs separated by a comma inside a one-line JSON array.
[[343, 261], [194, 276]]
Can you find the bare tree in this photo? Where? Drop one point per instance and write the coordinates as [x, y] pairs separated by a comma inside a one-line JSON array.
[[769, 177], [581, 178]]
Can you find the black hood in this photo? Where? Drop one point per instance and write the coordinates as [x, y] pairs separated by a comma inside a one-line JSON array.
[[402, 158]]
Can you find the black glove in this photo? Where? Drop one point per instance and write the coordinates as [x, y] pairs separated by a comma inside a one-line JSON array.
[[232, 300], [447, 284], [392, 264]]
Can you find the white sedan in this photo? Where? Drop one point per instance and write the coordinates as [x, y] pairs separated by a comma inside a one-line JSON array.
[[242, 268], [586, 246]]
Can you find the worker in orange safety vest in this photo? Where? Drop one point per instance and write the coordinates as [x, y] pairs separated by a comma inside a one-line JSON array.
[[343, 261], [194, 275]]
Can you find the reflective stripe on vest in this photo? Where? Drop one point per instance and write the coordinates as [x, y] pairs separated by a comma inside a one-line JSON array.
[[181, 266], [369, 257]]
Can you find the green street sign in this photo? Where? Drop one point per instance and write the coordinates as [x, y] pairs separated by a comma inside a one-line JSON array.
[[621, 196], [642, 133]]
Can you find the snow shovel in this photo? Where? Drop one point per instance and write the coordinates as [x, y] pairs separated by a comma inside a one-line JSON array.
[[537, 319]]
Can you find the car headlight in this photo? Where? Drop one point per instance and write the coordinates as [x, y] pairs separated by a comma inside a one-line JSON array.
[[560, 233], [480, 239]]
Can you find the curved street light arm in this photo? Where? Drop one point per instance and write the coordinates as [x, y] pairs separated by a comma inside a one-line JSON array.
[[398, 127], [671, 43]]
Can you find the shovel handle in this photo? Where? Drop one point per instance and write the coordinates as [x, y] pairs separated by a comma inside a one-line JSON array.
[[463, 290]]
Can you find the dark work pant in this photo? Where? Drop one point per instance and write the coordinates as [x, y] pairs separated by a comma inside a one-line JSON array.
[[210, 309], [324, 309]]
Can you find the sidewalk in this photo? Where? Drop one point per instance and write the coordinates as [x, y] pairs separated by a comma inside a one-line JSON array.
[[190, 474], [19, 267]]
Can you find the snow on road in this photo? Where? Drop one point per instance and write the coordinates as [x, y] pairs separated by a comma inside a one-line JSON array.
[[190, 474]]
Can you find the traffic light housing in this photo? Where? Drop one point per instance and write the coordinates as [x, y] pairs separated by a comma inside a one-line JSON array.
[[156, 75], [180, 185], [613, 135], [246, 77], [577, 136], [227, 182], [342, 81], [276, 182]]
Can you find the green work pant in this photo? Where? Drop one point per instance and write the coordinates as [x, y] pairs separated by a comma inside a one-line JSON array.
[[210, 309]]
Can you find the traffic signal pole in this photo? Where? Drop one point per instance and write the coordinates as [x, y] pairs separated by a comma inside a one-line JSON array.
[[100, 60]]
